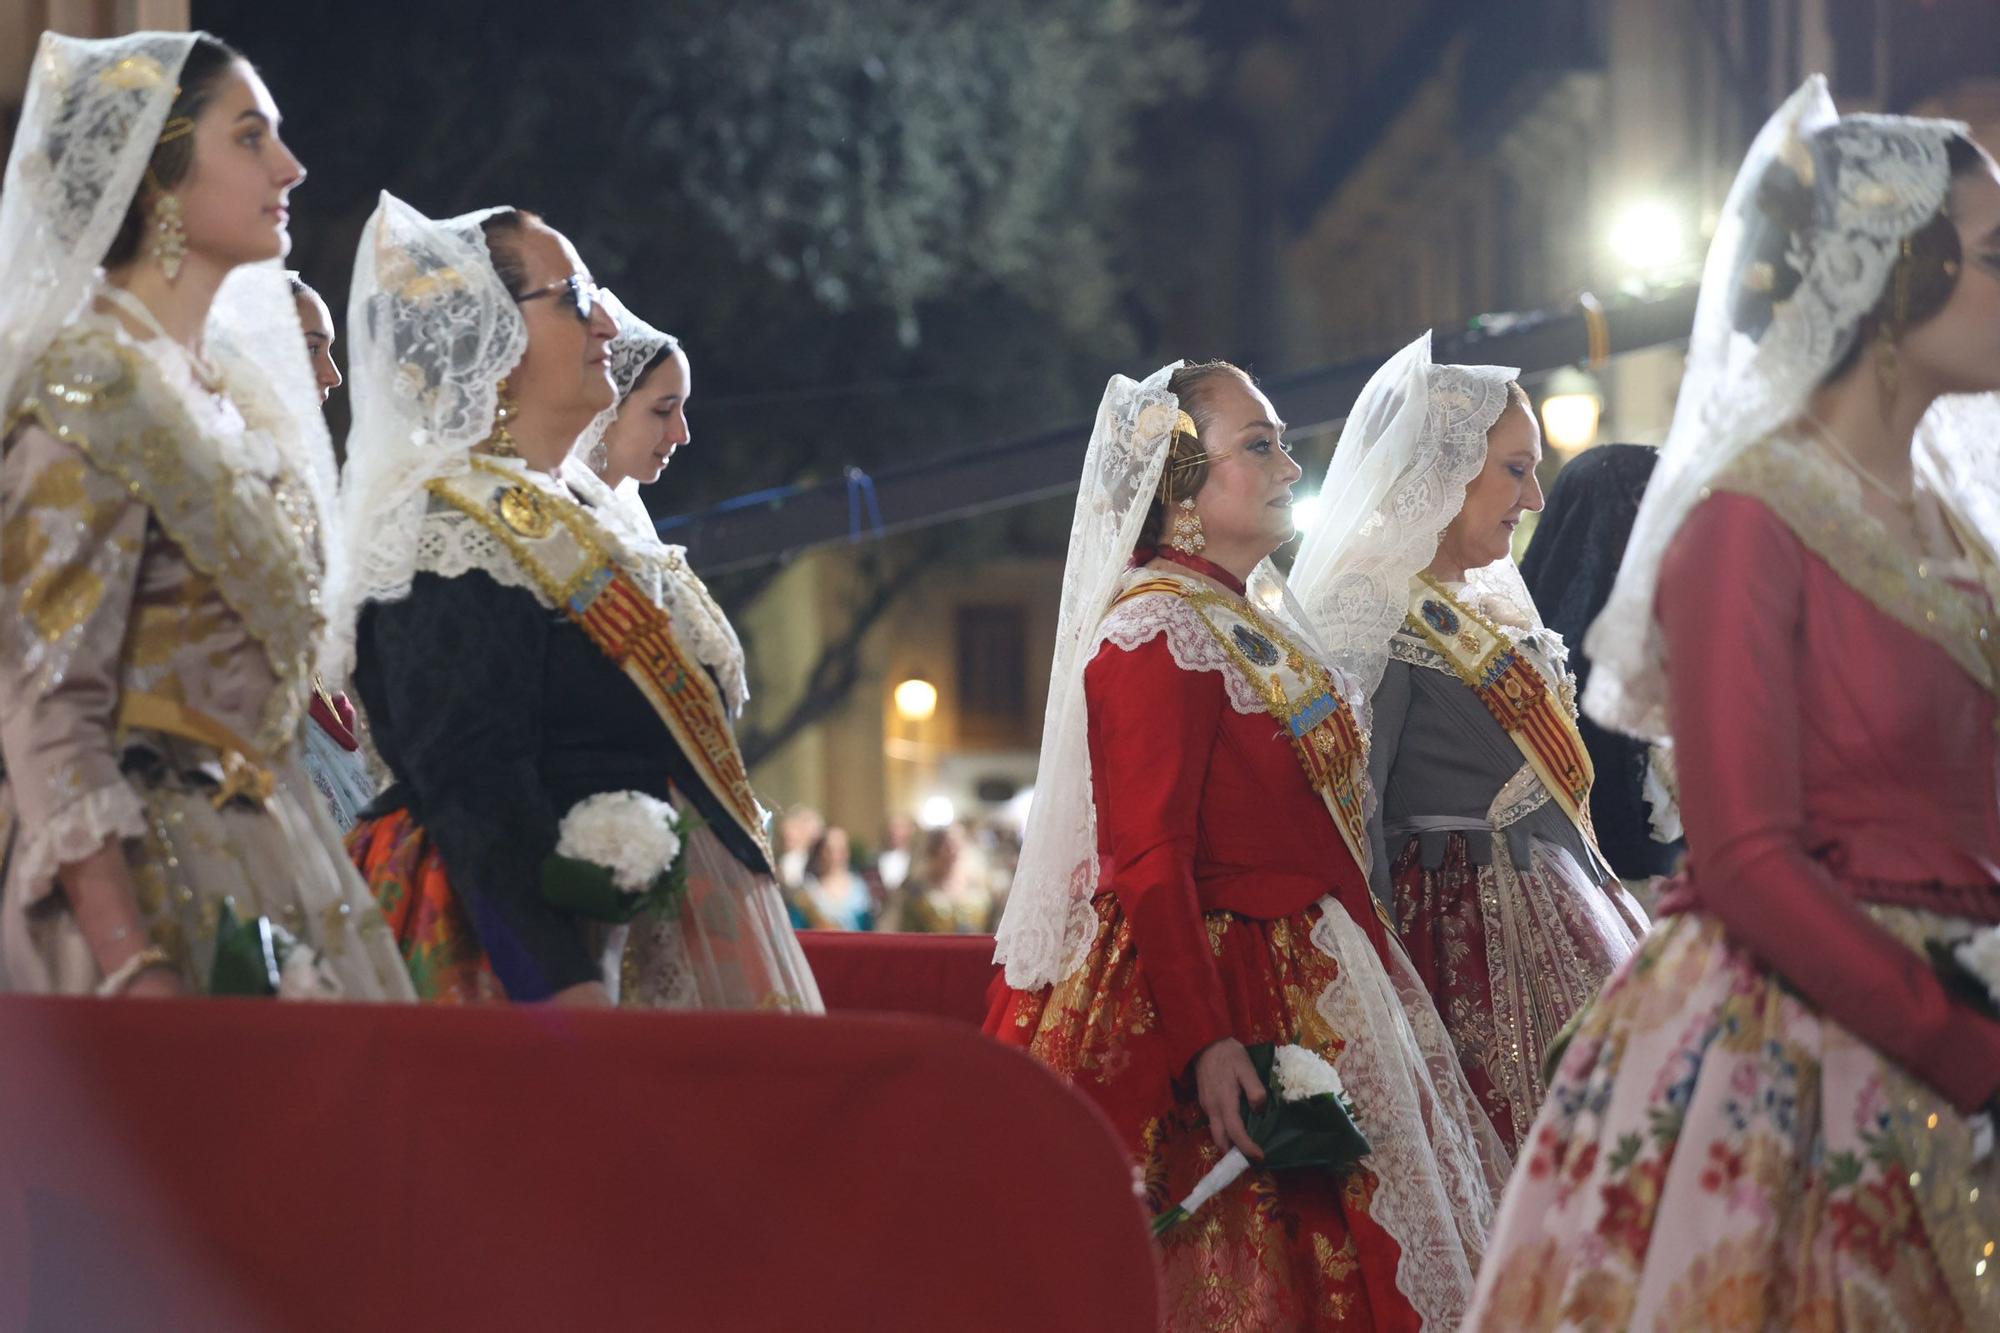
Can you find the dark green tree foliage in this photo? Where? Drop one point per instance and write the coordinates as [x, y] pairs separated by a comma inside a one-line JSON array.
[[884, 228]]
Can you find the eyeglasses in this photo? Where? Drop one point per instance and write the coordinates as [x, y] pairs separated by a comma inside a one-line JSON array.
[[581, 295]]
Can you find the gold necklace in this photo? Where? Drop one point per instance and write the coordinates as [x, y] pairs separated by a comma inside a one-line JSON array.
[[1907, 503]]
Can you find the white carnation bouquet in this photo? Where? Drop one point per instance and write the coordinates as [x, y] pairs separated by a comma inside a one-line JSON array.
[[1306, 1121], [617, 854]]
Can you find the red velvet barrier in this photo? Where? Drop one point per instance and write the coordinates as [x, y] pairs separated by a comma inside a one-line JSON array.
[[227, 1165], [937, 976]]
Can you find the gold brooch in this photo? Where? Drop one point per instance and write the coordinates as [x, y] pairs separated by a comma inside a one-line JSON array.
[[524, 510]]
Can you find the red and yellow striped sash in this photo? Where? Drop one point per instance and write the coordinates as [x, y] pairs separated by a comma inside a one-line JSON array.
[[1520, 699]]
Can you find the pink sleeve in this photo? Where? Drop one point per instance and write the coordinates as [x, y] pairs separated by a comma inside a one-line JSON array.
[[1729, 605]]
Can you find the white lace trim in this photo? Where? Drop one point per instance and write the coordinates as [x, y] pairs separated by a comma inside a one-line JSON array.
[[1661, 789], [451, 543], [1193, 644], [1438, 1165], [74, 832]]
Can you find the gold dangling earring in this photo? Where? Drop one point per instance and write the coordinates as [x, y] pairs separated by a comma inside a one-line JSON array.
[[1888, 375], [1186, 535], [169, 243], [500, 443]]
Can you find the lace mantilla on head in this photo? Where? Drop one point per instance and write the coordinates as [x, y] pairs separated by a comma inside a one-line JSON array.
[[1415, 439], [1141, 619], [629, 354], [432, 330], [1045, 930], [88, 125], [1871, 182]]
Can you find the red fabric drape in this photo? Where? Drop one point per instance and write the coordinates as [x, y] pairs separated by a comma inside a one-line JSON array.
[[229, 1165]]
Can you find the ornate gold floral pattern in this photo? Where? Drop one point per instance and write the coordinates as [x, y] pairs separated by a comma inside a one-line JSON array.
[[255, 536]]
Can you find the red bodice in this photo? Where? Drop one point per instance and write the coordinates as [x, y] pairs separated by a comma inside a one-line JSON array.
[[1202, 808], [1829, 755]]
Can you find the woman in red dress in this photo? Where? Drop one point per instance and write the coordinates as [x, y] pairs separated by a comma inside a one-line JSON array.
[[1193, 880]]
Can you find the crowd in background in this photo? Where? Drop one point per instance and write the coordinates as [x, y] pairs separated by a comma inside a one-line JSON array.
[[950, 879]]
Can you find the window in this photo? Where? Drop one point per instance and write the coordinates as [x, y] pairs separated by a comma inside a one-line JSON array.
[[992, 674]]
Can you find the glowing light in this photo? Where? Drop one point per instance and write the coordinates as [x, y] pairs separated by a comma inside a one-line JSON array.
[[916, 700], [1648, 235], [937, 812], [1571, 410], [1305, 513]]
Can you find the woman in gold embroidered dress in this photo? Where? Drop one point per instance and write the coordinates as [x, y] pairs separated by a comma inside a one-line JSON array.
[[164, 528], [1482, 843]]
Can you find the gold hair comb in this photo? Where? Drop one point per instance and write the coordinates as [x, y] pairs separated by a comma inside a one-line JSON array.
[[133, 74]]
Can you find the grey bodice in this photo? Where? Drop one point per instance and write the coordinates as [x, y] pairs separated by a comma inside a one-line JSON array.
[[1441, 764]]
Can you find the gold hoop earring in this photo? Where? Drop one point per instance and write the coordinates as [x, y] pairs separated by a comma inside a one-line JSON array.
[[1186, 535], [169, 244], [500, 443]]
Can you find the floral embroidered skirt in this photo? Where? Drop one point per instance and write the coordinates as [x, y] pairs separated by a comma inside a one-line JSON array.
[[1391, 1245], [406, 874], [1510, 956], [1714, 1154]]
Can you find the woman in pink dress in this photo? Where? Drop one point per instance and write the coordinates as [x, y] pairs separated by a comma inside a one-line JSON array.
[[1776, 1115]]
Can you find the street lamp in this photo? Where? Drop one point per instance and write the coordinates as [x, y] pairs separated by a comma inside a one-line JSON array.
[[1648, 237], [916, 699], [1570, 411]]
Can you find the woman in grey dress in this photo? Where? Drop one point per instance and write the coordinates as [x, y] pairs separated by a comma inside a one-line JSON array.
[[1483, 846]]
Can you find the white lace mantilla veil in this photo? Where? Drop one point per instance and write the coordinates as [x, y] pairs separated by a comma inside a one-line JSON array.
[[89, 123], [432, 330], [1876, 180], [661, 567], [1047, 925], [635, 345], [1413, 442]]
